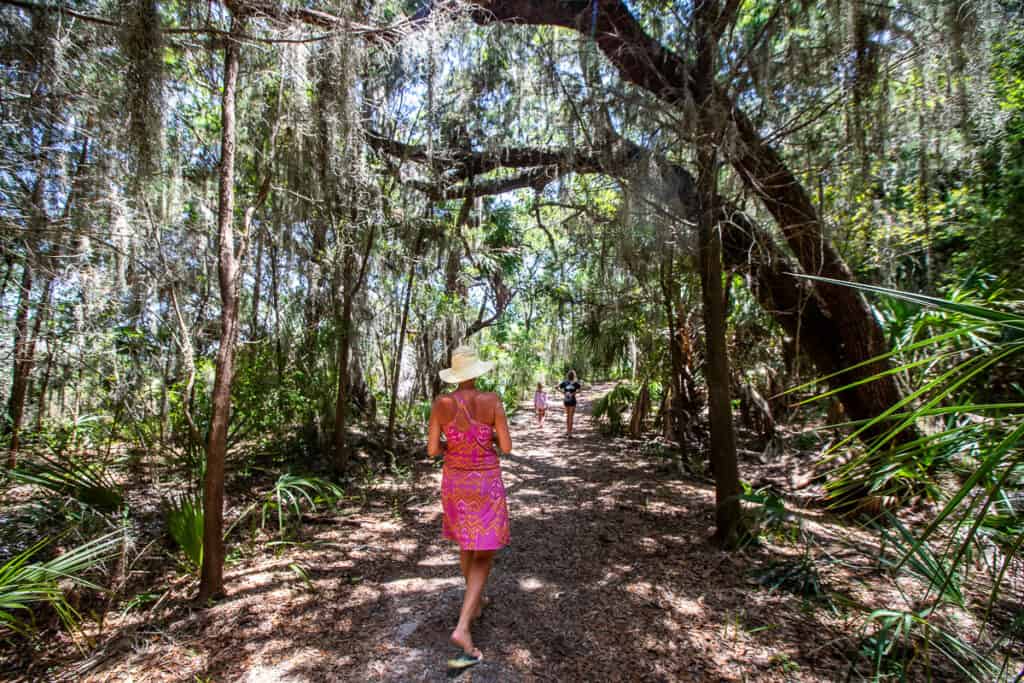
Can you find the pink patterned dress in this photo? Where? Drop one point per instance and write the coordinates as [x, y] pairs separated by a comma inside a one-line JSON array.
[[472, 495]]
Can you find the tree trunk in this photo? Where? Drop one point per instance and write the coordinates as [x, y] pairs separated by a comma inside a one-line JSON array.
[[22, 364], [400, 343], [340, 452], [8, 269], [352, 281], [642, 60], [641, 407], [211, 584], [680, 417], [724, 468], [254, 324], [275, 300], [44, 383]]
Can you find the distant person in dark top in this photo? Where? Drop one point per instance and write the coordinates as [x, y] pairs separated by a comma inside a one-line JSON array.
[[569, 387]]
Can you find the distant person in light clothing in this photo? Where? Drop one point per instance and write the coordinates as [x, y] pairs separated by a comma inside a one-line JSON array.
[[540, 404]]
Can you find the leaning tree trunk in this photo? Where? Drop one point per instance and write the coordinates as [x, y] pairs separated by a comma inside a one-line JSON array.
[[645, 62], [212, 576]]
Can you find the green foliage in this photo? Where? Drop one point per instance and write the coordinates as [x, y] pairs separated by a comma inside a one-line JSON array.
[[975, 342], [24, 584], [900, 640], [980, 443], [285, 501], [184, 515], [799, 576], [769, 513], [609, 410], [88, 483]]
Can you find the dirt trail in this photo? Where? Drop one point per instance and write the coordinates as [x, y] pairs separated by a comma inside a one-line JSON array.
[[608, 578]]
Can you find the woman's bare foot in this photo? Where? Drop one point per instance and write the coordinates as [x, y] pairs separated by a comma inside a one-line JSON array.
[[463, 639]]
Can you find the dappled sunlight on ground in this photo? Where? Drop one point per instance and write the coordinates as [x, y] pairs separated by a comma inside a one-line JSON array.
[[609, 577]]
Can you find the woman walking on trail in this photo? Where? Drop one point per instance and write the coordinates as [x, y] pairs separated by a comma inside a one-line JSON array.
[[569, 387], [472, 493], [540, 404]]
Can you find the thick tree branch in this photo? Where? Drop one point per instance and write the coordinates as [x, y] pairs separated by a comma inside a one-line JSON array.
[[643, 61], [746, 246], [256, 9]]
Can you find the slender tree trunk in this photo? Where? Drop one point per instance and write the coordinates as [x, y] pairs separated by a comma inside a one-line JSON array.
[[724, 468], [44, 383], [275, 300], [723, 439], [22, 363], [254, 325], [8, 269], [165, 402], [341, 402], [188, 362], [678, 417], [352, 280], [400, 342], [211, 584]]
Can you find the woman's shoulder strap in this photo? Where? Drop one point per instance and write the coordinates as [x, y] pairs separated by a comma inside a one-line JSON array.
[[461, 401]]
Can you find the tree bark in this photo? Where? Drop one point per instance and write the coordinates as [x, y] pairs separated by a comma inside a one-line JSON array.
[[679, 416], [352, 282], [42, 317], [8, 269], [728, 513], [211, 584], [642, 60], [22, 364], [400, 343], [254, 325]]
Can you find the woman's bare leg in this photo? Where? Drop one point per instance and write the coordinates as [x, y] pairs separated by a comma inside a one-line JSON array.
[[479, 570], [465, 561], [569, 412]]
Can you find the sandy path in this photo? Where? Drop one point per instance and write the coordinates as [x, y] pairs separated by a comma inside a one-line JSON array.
[[607, 578]]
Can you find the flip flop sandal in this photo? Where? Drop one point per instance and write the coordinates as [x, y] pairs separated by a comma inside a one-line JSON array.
[[464, 662]]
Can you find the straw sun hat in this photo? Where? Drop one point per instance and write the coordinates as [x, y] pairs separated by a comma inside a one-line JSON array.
[[465, 365]]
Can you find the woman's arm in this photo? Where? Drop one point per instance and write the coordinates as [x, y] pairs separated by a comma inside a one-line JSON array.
[[501, 427], [434, 448]]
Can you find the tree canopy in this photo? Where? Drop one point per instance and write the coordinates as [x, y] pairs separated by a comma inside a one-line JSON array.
[[243, 237]]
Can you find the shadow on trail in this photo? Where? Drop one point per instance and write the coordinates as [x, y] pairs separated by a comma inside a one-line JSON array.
[[608, 578]]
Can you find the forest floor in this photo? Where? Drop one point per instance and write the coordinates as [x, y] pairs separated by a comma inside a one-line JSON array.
[[609, 577]]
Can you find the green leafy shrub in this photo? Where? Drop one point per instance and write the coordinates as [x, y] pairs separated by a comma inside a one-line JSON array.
[[88, 483], [184, 514], [609, 411], [979, 443], [290, 492], [285, 501], [24, 584]]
